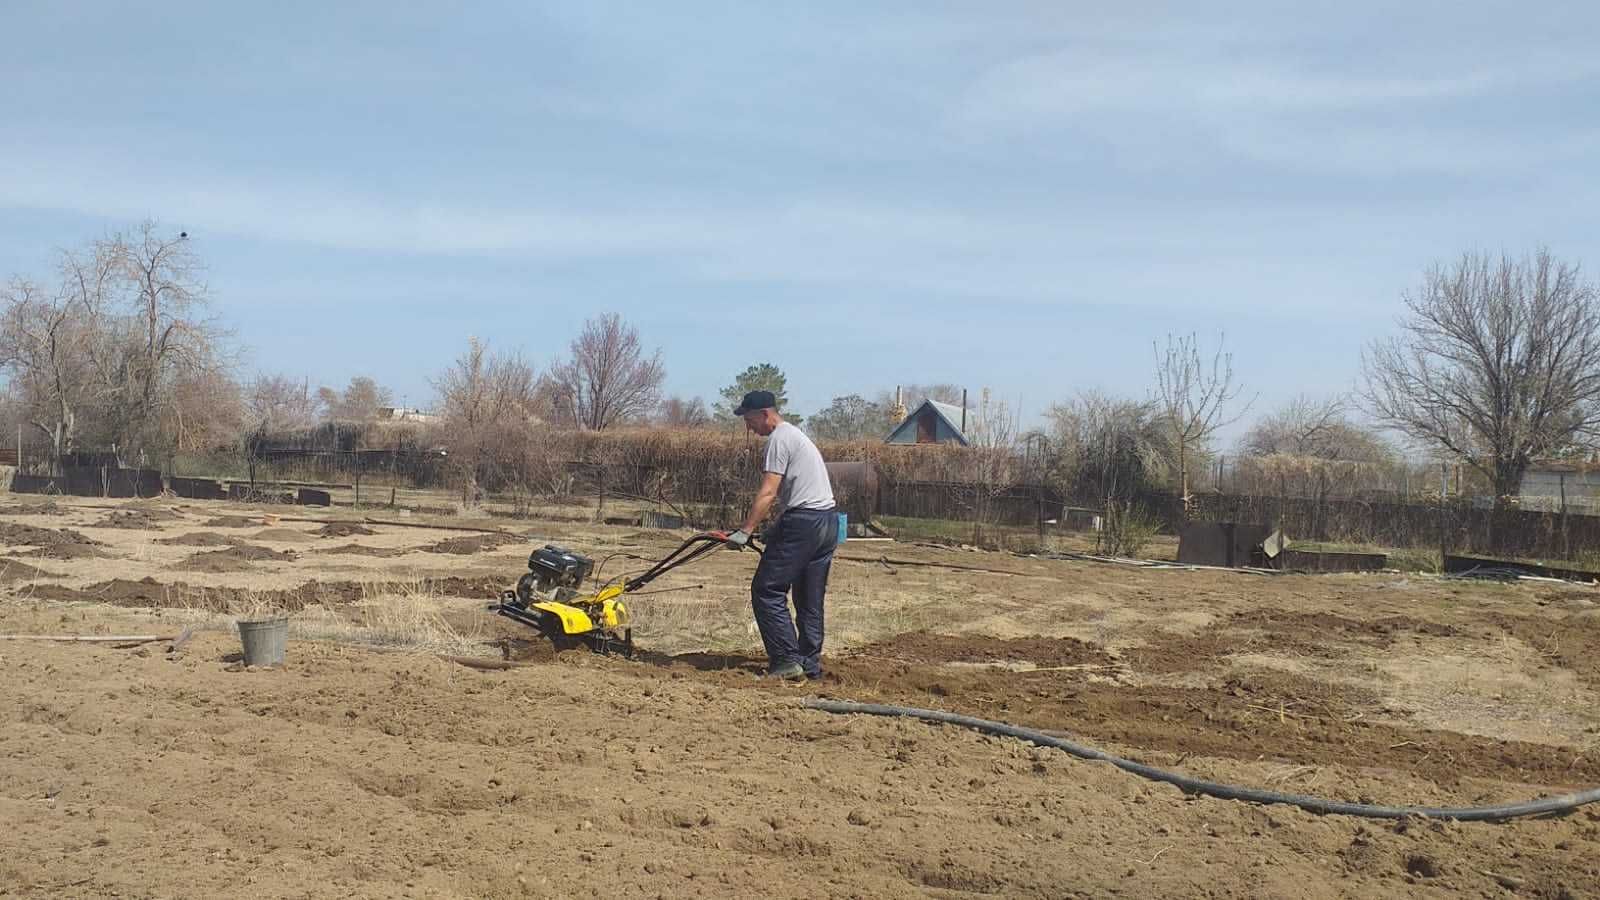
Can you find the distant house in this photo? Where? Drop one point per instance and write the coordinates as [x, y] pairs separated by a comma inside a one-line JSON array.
[[396, 414], [932, 422], [1546, 481]]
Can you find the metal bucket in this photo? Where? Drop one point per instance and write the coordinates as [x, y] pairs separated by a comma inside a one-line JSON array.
[[264, 641]]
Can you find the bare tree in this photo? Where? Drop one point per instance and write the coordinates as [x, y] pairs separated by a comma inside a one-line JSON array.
[[1192, 397], [850, 418], [149, 326], [43, 346], [281, 403], [1316, 429], [944, 392], [121, 353], [912, 395], [1111, 452], [358, 402], [677, 412], [1108, 448], [992, 462], [486, 400], [607, 379], [1497, 363], [204, 409]]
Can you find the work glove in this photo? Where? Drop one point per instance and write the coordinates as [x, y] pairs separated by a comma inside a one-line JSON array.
[[739, 539]]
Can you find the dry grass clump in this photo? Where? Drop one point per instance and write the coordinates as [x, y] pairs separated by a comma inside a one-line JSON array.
[[676, 622], [398, 614]]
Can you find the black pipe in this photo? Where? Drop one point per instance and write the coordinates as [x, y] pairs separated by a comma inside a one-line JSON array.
[[1499, 812]]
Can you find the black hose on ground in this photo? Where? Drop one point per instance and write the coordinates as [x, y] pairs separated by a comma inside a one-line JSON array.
[[1546, 806]]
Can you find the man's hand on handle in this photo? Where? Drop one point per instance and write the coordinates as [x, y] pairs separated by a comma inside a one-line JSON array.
[[739, 539]]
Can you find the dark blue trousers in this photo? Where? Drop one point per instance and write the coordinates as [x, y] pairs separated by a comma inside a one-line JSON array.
[[798, 555]]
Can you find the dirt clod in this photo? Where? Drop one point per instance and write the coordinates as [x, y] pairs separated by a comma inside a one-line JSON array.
[[477, 543], [360, 550], [343, 529], [1422, 866], [230, 522], [235, 559], [148, 592], [69, 551], [283, 535], [143, 518], [29, 535], [201, 539], [12, 571], [47, 508]]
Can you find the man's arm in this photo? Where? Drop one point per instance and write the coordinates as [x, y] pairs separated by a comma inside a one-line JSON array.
[[765, 495]]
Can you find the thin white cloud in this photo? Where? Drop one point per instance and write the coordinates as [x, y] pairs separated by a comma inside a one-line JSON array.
[[1132, 258], [1075, 81], [331, 217], [1389, 150], [1142, 99]]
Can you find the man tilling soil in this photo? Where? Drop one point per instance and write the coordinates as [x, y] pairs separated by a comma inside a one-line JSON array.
[[799, 543]]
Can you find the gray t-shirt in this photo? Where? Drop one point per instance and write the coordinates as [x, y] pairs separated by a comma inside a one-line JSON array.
[[805, 477]]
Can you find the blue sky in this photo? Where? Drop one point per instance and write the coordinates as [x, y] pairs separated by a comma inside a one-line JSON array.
[[1022, 196]]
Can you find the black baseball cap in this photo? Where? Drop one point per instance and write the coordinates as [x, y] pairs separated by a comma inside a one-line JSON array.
[[756, 400]]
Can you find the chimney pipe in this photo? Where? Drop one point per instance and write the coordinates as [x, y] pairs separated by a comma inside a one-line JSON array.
[[963, 412]]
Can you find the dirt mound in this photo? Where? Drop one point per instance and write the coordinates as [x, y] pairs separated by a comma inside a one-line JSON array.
[[283, 535], [477, 543], [925, 647], [201, 539], [342, 529], [29, 535], [522, 647], [13, 571], [358, 550], [471, 587], [234, 559], [230, 522], [118, 591], [142, 518], [47, 508], [147, 592], [69, 551]]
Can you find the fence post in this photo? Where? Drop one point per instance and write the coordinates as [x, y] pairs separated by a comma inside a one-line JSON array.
[[1444, 485], [1039, 494], [1283, 499], [1322, 504], [1566, 538]]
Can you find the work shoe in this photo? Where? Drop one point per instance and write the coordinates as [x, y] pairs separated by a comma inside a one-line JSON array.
[[790, 671]]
